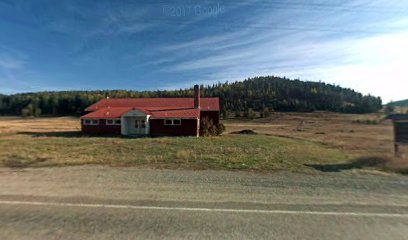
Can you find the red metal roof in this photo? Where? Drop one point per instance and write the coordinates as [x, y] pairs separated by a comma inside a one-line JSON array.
[[207, 104], [179, 113], [117, 112]]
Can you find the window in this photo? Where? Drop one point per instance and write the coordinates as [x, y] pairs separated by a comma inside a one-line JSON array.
[[91, 122], [140, 123], [112, 121], [172, 122]]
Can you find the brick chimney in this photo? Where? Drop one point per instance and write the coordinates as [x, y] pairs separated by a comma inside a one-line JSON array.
[[196, 96]]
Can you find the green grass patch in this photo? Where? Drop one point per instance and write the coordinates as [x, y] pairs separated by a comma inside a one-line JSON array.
[[256, 152]]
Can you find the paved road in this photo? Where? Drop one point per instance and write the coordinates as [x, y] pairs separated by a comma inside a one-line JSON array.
[[129, 203]]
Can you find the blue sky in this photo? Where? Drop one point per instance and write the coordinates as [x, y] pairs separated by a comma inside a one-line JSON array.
[[153, 44]]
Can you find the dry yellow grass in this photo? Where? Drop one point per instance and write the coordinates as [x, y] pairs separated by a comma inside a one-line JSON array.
[[361, 141], [55, 124], [337, 130]]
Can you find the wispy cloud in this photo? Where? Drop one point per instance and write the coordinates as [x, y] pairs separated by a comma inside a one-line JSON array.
[[208, 41], [11, 59], [134, 28], [9, 62]]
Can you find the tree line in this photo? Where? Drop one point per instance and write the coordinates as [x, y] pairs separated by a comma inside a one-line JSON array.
[[402, 103], [258, 94]]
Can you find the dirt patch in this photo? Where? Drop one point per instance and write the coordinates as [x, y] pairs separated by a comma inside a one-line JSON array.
[[18, 161], [360, 163], [246, 131]]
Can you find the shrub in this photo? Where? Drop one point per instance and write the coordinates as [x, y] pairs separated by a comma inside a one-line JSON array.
[[249, 113], [265, 113], [37, 112], [221, 128], [389, 109], [208, 128], [25, 112], [367, 121], [205, 125], [223, 114]]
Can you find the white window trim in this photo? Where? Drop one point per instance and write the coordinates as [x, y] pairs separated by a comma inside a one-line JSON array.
[[113, 123], [172, 122], [138, 124], [143, 122], [91, 123]]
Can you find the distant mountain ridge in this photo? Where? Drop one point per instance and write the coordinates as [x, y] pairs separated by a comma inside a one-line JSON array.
[[261, 94]]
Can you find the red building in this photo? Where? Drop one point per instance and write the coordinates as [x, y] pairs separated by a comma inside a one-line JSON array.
[[150, 116]]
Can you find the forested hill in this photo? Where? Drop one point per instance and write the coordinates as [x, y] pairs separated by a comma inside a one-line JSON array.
[[403, 103], [263, 94]]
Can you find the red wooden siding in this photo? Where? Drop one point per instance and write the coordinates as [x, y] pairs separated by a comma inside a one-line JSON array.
[[188, 127], [102, 128]]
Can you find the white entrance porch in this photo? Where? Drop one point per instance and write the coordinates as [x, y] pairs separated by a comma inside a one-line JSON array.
[[135, 123]]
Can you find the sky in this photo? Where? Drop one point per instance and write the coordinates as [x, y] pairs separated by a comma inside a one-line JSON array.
[[154, 44]]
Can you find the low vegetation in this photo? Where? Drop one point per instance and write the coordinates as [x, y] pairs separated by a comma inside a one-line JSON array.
[[258, 152], [366, 121]]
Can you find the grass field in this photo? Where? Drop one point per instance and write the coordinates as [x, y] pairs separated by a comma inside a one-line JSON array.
[[296, 142], [350, 133]]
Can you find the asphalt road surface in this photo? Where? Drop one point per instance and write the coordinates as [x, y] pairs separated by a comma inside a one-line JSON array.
[[96, 202]]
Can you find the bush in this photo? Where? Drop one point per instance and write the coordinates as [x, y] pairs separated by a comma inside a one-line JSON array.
[[367, 121], [208, 128], [221, 128], [36, 112], [249, 113], [371, 122], [389, 109], [25, 112], [223, 114], [265, 113]]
